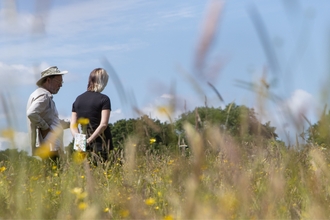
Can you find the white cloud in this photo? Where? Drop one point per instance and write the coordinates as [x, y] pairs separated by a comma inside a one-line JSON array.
[[300, 103], [118, 111], [67, 137], [13, 75], [184, 12], [117, 115], [287, 116], [16, 74], [13, 23], [104, 19], [162, 107], [74, 29], [65, 117], [21, 142], [167, 96], [12, 109], [154, 112]]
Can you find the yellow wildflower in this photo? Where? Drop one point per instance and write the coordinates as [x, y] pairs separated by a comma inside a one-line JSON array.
[[43, 152], [83, 121], [78, 157], [124, 213], [150, 201], [2, 169], [77, 190], [82, 195], [168, 217], [82, 205]]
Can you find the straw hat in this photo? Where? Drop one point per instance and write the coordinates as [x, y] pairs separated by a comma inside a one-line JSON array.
[[50, 71]]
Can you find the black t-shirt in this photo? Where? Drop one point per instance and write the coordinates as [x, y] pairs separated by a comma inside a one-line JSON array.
[[90, 105]]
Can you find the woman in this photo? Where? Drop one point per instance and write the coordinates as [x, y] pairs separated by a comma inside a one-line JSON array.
[[95, 106]]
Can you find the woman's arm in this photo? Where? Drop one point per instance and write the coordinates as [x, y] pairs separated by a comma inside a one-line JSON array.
[[105, 115], [74, 124]]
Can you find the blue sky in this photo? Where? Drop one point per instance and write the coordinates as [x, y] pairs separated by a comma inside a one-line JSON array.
[[152, 47]]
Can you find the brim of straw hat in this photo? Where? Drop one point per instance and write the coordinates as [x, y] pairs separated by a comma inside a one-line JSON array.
[[40, 81]]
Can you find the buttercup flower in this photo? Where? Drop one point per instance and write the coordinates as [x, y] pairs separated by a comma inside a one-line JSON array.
[[77, 190], [124, 213], [79, 156], [150, 201], [2, 169], [43, 152], [83, 121], [168, 217], [82, 205]]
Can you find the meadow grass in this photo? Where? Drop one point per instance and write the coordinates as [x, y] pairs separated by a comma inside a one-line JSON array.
[[214, 179]]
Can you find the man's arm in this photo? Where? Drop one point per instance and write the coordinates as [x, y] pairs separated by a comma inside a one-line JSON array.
[[37, 107]]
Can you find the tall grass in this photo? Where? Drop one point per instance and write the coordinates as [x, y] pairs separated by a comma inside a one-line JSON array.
[[214, 179]]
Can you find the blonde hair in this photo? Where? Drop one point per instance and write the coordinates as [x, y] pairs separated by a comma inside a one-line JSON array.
[[98, 80]]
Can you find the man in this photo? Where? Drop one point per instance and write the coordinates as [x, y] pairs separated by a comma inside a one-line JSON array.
[[46, 129]]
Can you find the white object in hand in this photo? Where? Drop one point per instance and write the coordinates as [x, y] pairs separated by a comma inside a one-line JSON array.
[[79, 142]]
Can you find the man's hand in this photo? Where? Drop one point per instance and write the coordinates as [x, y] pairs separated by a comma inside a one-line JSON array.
[[44, 132]]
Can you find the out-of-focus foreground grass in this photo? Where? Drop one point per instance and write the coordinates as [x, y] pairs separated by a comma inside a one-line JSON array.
[[213, 179]]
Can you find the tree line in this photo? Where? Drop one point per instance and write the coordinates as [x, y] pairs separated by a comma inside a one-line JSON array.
[[239, 121]]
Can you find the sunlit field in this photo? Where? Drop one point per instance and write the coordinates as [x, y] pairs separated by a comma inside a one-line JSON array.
[[214, 178], [208, 163]]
